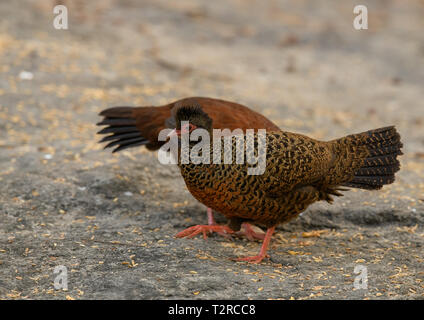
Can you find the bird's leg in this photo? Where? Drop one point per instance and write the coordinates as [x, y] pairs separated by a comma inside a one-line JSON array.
[[262, 254], [212, 222], [195, 230], [250, 233], [211, 219]]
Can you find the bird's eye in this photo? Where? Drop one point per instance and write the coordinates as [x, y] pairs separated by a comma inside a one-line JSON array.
[[187, 128]]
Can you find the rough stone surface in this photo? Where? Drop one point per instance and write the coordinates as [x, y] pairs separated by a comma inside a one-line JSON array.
[[65, 201]]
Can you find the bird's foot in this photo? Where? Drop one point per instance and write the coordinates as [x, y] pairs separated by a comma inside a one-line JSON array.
[[262, 254], [250, 233], [253, 259], [195, 230]]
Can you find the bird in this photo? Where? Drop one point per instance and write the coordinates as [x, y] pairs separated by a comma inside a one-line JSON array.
[[299, 171], [129, 127]]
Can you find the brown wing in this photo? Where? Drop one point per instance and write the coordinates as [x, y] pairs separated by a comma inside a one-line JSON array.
[[134, 126], [231, 115], [294, 161]]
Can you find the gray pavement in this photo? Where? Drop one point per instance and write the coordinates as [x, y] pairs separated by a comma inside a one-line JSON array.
[[111, 219]]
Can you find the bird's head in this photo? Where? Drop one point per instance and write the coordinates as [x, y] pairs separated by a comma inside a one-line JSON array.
[[190, 117]]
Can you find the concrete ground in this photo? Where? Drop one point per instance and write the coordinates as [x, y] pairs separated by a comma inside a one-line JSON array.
[[111, 219]]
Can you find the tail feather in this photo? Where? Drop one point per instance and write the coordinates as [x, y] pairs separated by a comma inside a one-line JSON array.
[[117, 122], [117, 112], [392, 149], [373, 156], [382, 160], [122, 136], [121, 124], [378, 170], [365, 186]]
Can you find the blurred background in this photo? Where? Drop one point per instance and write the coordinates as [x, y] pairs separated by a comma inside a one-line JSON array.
[[300, 63]]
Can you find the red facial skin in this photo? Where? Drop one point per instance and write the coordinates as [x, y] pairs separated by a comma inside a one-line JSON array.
[[187, 128]]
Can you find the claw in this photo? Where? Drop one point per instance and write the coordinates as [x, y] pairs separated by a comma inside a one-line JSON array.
[[249, 230], [253, 259], [195, 230], [250, 233]]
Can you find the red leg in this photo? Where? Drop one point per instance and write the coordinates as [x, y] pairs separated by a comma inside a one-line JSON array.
[[195, 230], [262, 254], [211, 220], [250, 233]]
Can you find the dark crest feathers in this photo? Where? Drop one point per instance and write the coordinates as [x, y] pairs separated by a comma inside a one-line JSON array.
[[190, 111], [193, 113]]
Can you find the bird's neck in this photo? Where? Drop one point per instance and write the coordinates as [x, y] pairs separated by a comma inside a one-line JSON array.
[[195, 145]]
